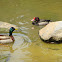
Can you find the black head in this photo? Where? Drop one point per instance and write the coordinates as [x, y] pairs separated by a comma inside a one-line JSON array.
[[35, 20], [11, 30]]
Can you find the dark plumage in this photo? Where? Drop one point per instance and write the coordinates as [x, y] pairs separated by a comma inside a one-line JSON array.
[[37, 21]]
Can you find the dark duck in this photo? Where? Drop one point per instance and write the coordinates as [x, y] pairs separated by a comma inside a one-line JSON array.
[[7, 38], [37, 21]]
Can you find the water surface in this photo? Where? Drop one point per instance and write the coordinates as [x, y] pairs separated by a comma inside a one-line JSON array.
[[28, 47]]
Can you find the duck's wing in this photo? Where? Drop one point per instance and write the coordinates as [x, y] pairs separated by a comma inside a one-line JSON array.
[[5, 39], [42, 20], [2, 37], [42, 23]]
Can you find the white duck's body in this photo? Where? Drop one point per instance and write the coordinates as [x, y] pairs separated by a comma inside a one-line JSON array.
[[42, 23], [6, 39]]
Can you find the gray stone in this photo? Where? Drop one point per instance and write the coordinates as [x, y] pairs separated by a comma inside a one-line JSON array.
[[52, 31]]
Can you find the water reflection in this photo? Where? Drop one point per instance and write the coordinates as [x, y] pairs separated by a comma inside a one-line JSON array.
[[5, 52]]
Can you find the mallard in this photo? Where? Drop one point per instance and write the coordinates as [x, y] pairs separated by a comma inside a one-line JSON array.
[[7, 38], [37, 21]]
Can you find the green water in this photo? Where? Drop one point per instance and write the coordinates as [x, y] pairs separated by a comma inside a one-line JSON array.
[[27, 46]]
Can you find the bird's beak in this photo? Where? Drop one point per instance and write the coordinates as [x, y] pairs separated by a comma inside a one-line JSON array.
[[16, 29], [32, 20]]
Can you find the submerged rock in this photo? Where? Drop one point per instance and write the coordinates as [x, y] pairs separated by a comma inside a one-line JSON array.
[[52, 32], [7, 25]]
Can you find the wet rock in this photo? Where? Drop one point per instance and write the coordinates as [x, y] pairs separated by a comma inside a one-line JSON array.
[[52, 32], [7, 25]]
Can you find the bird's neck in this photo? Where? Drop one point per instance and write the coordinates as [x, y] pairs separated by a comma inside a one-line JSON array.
[[10, 33]]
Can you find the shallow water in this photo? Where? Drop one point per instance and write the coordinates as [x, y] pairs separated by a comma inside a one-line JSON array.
[[28, 47]]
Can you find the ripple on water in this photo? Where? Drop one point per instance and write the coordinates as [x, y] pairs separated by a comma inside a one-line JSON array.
[[24, 29], [20, 16], [20, 40], [21, 23]]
